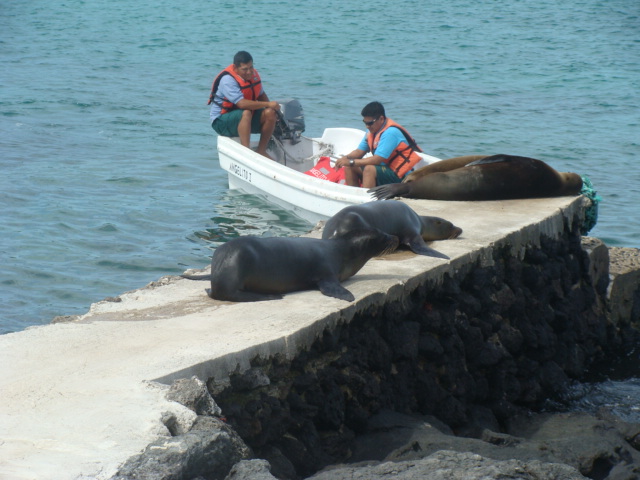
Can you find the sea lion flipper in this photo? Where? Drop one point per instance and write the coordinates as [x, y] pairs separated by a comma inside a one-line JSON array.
[[331, 288], [389, 190], [492, 159], [418, 246]]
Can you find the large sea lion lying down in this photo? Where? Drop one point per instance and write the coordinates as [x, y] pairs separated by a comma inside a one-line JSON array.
[[249, 269], [395, 218], [477, 177]]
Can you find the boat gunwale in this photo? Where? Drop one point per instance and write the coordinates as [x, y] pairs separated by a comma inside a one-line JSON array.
[[283, 174]]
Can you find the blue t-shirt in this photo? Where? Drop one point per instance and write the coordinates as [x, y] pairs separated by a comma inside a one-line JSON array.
[[227, 88], [389, 140]]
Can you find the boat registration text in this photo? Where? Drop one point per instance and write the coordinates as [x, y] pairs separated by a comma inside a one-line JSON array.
[[240, 171]]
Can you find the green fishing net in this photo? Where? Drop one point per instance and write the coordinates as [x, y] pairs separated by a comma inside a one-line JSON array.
[[591, 213]]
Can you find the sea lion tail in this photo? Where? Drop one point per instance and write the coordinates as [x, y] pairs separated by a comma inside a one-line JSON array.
[[197, 277], [390, 190]]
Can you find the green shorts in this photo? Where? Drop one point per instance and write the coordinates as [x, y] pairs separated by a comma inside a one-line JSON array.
[[385, 175], [227, 124]]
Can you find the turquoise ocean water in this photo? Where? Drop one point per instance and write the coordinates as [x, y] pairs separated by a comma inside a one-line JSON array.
[[110, 176]]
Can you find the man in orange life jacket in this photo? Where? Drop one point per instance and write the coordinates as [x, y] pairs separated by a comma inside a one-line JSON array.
[[393, 151], [239, 105]]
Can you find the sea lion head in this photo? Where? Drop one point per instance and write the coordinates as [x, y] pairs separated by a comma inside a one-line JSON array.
[[572, 183], [371, 242]]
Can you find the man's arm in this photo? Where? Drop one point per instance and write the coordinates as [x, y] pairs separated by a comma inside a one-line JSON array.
[[389, 140], [245, 104], [262, 102], [230, 89], [355, 158]]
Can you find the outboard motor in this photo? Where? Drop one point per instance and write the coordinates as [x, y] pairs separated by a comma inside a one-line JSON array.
[[290, 124]]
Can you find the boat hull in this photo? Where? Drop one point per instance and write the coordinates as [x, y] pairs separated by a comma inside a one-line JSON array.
[[310, 198]]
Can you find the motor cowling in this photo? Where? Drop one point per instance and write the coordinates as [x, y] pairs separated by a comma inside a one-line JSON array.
[[290, 124]]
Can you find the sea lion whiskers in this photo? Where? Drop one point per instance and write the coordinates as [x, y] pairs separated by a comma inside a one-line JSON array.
[[456, 233], [391, 248], [375, 241]]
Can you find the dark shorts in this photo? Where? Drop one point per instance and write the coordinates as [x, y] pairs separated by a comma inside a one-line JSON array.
[[385, 175], [227, 124]]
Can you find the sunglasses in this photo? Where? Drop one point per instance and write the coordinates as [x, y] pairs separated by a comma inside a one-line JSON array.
[[368, 124]]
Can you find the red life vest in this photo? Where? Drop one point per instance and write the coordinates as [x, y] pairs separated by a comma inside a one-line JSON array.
[[404, 157], [251, 90], [325, 171]]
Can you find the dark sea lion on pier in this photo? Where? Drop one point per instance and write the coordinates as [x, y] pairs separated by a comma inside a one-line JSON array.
[[496, 177], [249, 269], [443, 166], [395, 218]]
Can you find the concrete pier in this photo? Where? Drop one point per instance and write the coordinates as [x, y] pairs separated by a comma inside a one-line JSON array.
[[78, 399]]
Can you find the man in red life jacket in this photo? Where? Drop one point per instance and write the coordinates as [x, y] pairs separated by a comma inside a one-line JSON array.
[[239, 104], [393, 151]]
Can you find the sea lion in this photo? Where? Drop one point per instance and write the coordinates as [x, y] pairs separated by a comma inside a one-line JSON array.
[[249, 269], [496, 177], [394, 218], [442, 166]]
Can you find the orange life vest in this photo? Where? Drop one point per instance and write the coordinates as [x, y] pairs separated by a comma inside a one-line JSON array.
[[251, 90], [404, 157]]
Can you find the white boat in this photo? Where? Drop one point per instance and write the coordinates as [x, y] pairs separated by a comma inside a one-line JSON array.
[[283, 181]]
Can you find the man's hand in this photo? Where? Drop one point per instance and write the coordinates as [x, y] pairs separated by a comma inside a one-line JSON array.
[[342, 162]]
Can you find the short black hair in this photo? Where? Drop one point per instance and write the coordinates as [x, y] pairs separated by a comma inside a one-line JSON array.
[[242, 57], [373, 109]]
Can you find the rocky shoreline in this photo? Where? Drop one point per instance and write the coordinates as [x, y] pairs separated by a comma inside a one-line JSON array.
[[553, 446], [450, 382]]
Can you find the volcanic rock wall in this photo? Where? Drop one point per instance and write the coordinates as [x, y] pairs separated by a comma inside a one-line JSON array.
[[472, 350]]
